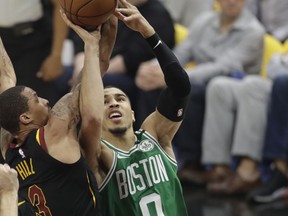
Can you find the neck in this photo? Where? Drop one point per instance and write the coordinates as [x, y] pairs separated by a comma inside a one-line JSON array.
[[124, 142], [21, 135], [227, 22]]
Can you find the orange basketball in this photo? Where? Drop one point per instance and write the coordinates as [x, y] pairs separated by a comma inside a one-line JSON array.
[[88, 13]]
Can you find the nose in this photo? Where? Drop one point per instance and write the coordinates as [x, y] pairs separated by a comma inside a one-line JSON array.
[[113, 104]]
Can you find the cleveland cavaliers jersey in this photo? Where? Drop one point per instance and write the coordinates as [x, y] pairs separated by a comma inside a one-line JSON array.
[[52, 187], [142, 181]]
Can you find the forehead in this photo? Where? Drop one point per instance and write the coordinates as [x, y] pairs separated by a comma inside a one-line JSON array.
[[29, 93], [113, 92]]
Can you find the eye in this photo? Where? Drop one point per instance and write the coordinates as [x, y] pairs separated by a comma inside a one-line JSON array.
[[121, 99]]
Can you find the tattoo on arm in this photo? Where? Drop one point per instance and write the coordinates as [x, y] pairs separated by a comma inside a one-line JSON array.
[[67, 109]]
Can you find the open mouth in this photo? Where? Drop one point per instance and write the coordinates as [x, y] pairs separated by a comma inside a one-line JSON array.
[[115, 115]]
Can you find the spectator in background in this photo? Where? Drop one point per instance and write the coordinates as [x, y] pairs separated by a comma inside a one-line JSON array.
[[185, 11], [272, 14], [234, 127], [235, 118], [225, 43], [33, 36], [276, 145], [130, 50]]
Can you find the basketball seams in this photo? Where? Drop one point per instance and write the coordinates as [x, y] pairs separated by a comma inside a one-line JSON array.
[[88, 13], [105, 12], [73, 14], [82, 6], [79, 8]]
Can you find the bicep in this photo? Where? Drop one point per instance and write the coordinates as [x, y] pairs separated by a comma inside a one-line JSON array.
[[65, 115], [161, 128]]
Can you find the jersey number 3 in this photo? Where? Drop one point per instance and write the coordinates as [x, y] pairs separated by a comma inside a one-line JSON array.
[[38, 199]]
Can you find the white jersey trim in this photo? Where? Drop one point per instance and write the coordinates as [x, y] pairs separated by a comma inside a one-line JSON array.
[[134, 148], [110, 173], [172, 160]]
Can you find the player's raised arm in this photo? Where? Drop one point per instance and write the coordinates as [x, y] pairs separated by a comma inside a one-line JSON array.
[[7, 73], [107, 41], [7, 80], [164, 123], [91, 99]]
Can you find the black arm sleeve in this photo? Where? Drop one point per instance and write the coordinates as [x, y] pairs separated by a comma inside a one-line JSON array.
[[173, 100], [175, 76]]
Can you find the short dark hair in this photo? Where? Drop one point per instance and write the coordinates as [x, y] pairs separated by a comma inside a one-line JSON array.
[[111, 86], [13, 104]]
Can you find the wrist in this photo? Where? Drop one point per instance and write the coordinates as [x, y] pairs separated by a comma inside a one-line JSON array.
[[148, 32], [153, 40], [91, 47], [10, 195]]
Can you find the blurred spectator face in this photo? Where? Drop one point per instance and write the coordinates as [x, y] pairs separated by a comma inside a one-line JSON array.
[[231, 8]]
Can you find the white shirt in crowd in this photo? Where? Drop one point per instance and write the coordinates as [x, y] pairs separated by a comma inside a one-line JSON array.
[[13, 12]]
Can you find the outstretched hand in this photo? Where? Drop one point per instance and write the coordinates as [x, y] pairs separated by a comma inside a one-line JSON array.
[[131, 16], [87, 37]]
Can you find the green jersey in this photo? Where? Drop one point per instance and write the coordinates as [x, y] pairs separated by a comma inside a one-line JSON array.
[[142, 181]]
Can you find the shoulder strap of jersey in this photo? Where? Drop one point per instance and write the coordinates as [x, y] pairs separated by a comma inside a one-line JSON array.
[[40, 138], [149, 136], [110, 172]]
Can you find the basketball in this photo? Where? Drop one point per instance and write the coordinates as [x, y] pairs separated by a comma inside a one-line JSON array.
[[88, 13]]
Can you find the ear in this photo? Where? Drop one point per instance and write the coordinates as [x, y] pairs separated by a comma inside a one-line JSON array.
[[133, 116], [25, 119]]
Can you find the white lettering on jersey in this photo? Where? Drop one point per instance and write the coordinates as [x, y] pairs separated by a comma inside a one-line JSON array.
[[130, 180]]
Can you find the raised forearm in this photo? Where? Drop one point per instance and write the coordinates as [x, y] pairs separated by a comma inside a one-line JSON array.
[[7, 73], [91, 92], [107, 41], [91, 106]]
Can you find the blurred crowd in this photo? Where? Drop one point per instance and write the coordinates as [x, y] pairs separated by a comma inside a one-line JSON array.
[[234, 137]]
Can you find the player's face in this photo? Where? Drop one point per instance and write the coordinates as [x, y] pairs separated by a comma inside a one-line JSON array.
[[38, 107], [232, 8], [118, 115]]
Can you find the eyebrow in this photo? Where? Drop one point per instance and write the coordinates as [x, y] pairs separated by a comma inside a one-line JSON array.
[[35, 96], [116, 95]]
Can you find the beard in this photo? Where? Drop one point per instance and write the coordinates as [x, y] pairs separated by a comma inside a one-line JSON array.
[[118, 131]]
